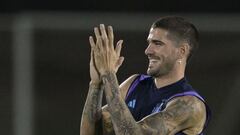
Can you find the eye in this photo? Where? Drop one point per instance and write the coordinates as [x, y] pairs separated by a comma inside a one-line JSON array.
[[155, 42], [159, 43]]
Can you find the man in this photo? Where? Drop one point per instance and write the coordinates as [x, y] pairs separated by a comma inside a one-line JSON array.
[[160, 103]]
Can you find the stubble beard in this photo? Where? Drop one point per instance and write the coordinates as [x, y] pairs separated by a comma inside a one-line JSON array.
[[161, 69]]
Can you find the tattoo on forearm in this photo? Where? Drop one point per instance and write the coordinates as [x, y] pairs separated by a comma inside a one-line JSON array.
[[93, 104], [92, 111], [123, 122]]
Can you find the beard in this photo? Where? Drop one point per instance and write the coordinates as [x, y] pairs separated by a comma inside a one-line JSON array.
[[161, 67]]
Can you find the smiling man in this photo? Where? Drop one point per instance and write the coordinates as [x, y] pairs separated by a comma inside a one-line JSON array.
[[159, 103]]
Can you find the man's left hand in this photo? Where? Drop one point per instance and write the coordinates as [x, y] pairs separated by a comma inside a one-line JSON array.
[[107, 58]]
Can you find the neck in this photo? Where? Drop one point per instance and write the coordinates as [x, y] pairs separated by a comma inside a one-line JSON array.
[[170, 78]]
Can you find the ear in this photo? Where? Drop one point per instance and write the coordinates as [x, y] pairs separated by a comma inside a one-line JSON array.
[[183, 50]]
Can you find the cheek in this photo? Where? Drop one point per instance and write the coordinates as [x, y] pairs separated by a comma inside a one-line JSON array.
[[176, 54], [173, 53], [164, 53], [167, 57]]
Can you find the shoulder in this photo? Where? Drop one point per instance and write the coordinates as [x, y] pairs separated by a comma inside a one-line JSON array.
[[132, 78], [124, 86]]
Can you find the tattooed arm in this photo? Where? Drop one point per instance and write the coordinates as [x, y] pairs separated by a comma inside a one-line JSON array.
[[122, 119], [107, 125], [185, 114], [92, 108], [92, 111], [93, 116]]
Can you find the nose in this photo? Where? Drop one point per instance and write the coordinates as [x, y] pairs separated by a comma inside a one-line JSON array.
[[149, 49]]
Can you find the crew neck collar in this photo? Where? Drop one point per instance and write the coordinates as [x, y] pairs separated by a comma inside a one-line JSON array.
[[173, 85]]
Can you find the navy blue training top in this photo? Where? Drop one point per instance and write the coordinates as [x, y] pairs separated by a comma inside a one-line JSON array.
[[144, 98]]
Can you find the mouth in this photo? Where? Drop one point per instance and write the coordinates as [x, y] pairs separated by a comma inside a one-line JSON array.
[[152, 62]]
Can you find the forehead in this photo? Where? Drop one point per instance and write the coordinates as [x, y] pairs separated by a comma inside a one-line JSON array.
[[157, 34]]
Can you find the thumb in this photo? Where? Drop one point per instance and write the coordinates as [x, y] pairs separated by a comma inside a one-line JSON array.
[[120, 61]]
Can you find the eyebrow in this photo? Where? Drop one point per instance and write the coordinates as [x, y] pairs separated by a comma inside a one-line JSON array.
[[155, 41]]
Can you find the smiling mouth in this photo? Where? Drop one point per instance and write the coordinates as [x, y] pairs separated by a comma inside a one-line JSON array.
[[152, 57], [152, 62]]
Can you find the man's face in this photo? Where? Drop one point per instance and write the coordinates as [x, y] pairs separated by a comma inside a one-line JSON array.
[[161, 51]]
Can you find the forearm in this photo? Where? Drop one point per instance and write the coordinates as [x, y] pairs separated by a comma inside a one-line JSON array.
[[92, 110], [123, 121]]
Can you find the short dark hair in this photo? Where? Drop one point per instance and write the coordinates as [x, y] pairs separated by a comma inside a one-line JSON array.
[[181, 29]]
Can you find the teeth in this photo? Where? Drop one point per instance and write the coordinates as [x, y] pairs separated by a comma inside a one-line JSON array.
[[153, 60]]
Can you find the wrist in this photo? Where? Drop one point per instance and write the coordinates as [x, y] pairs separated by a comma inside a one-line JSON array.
[[110, 77], [110, 72], [94, 84]]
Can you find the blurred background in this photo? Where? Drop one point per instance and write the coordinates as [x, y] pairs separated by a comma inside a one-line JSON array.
[[44, 58]]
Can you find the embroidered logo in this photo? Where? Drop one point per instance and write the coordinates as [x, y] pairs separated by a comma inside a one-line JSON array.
[[132, 103], [159, 107]]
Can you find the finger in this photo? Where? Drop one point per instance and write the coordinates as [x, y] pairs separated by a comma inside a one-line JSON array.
[[119, 47], [104, 35], [92, 61], [103, 31], [91, 41], [121, 59], [99, 44], [91, 57], [99, 39], [119, 62], [95, 50], [98, 36], [111, 37], [96, 31]]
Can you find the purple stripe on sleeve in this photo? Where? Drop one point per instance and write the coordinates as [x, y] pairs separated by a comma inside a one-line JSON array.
[[189, 93]]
